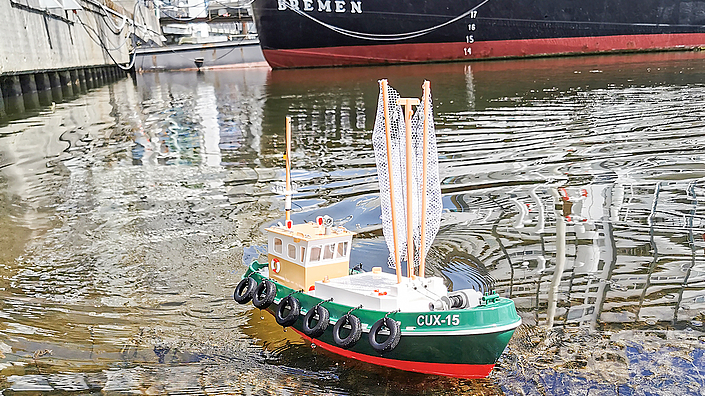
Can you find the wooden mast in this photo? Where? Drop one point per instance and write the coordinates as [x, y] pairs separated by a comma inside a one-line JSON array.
[[422, 245], [407, 103], [385, 103]]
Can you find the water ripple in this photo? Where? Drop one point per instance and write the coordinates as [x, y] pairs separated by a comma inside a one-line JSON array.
[[126, 216]]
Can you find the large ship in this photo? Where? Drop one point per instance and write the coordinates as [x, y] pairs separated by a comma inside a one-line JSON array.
[[319, 33]]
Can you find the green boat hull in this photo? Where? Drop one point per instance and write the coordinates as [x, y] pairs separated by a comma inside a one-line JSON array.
[[462, 343]]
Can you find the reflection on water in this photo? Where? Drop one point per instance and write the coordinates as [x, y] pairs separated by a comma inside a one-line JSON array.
[[573, 186]]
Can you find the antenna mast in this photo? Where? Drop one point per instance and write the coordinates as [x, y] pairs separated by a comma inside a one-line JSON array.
[[287, 160]]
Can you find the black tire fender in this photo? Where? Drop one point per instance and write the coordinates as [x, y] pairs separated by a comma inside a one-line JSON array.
[[293, 314], [245, 290], [355, 331], [393, 338], [264, 294], [322, 324]]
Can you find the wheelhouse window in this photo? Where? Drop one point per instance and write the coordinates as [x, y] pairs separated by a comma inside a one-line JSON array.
[[303, 254], [278, 246], [291, 251], [315, 254], [342, 250], [328, 252]]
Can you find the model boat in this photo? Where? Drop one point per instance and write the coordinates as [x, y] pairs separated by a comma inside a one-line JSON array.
[[401, 319]]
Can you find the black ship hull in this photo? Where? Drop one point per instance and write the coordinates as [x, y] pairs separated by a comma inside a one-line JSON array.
[[316, 33]]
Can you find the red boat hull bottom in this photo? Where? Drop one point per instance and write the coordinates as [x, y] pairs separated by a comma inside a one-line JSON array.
[[449, 370], [434, 52]]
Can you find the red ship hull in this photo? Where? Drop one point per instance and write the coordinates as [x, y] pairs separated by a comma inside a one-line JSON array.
[[435, 52]]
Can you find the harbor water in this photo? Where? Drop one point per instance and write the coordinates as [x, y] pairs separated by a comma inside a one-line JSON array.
[[574, 186]]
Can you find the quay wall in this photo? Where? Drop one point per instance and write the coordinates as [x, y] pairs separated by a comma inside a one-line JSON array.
[[35, 38], [59, 48], [22, 93]]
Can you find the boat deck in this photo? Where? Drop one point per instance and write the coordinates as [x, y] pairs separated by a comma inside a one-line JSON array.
[[381, 292]]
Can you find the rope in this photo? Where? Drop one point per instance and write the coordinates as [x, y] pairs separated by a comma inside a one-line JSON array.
[[107, 51], [418, 33], [353, 309], [100, 42], [385, 37], [97, 35], [324, 301], [112, 26], [224, 55], [294, 292], [205, 61]]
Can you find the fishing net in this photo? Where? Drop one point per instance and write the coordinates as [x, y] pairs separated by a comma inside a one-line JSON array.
[[391, 161]]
